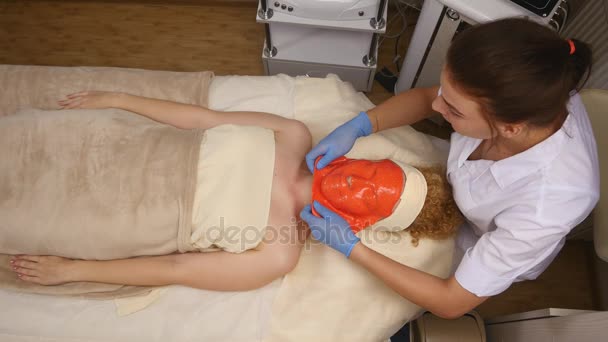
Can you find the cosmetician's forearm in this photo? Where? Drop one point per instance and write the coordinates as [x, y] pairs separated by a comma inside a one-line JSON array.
[[443, 297], [403, 109]]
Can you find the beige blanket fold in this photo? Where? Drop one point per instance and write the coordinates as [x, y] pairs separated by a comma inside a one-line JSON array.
[[28, 86], [93, 184]]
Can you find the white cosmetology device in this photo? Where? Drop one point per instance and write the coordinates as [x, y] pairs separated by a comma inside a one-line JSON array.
[[441, 20], [318, 37]]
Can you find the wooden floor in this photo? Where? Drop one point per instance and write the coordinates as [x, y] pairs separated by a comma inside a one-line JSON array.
[[223, 36]]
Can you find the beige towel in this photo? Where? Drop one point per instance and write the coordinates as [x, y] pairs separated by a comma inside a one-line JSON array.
[[25, 86], [233, 190], [98, 185], [28, 86], [128, 305]]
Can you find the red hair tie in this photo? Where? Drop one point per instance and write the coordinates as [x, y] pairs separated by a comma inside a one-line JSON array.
[[572, 47]]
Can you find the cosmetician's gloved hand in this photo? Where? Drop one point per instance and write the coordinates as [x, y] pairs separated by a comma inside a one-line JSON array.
[[339, 142], [330, 228]]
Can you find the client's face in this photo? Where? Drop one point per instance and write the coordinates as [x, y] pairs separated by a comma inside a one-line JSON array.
[[361, 191]]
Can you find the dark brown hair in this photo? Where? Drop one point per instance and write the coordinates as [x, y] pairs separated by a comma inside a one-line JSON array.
[[519, 70]]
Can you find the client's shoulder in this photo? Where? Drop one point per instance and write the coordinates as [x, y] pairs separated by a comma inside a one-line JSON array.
[[295, 135]]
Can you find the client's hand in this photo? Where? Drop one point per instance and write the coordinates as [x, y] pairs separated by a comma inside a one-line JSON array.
[[339, 142], [43, 270], [331, 229], [88, 100]]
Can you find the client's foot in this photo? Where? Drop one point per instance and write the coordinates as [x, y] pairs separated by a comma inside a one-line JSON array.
[[43, 270]]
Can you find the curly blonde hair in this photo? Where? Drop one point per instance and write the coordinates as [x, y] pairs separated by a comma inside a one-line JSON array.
[[439, 217]]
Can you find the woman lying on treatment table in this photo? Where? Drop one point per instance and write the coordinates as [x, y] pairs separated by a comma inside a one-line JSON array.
[[365, 192]]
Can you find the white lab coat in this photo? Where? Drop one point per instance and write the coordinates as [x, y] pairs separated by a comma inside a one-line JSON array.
[[520, 209]]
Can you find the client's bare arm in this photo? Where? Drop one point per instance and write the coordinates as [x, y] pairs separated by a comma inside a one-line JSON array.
[[220, 271], [176, 114], [292, 134]]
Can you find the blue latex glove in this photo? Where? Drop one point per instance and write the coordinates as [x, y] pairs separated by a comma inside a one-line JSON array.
[[331, 229], [339, 142]]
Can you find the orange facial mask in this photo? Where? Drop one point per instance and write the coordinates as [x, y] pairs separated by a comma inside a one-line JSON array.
[[361, 191]]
